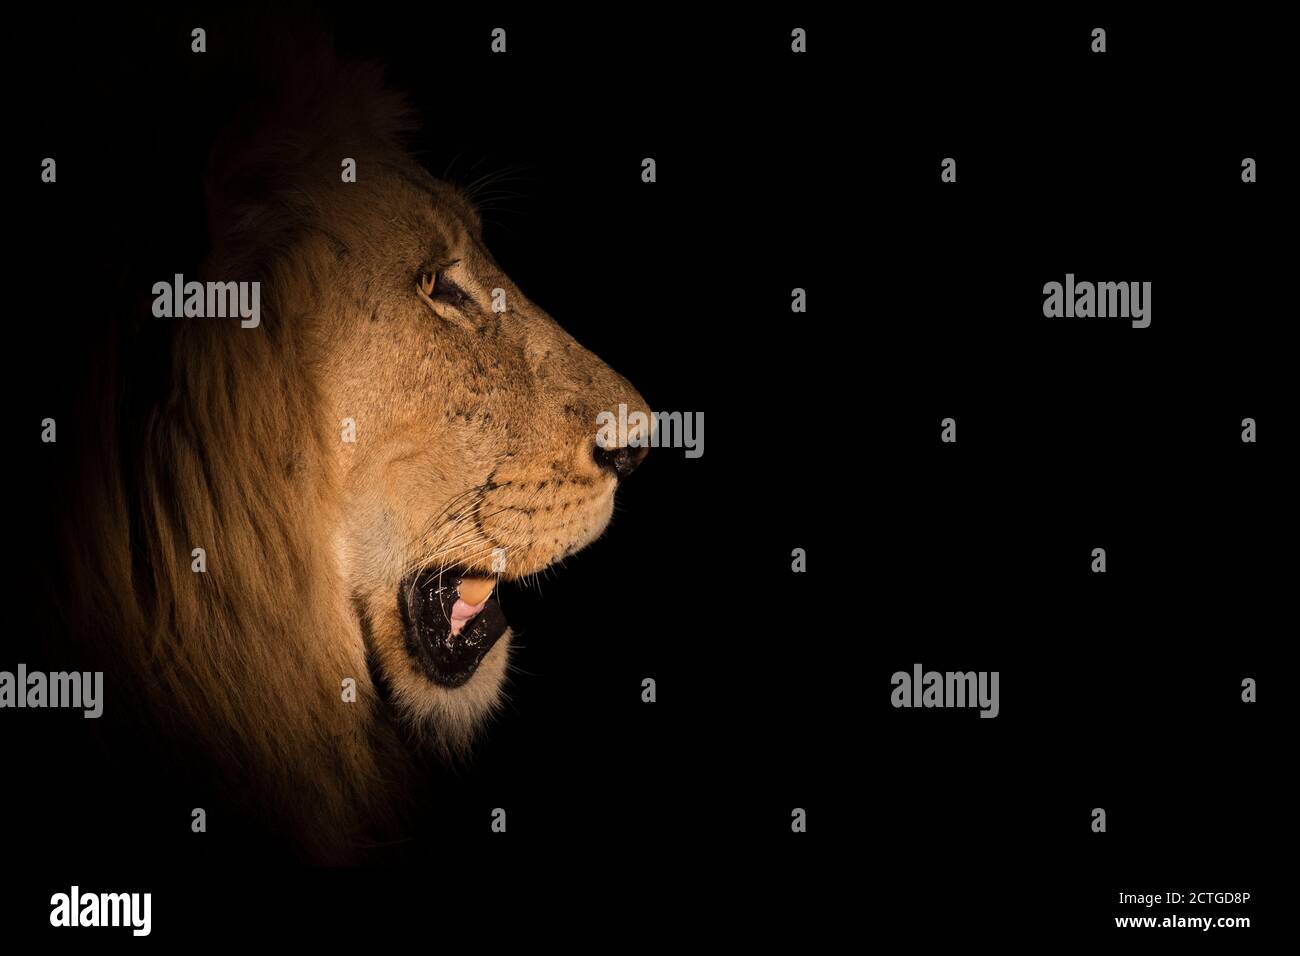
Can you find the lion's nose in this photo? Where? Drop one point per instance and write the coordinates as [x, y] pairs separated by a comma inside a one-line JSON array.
[[621, 462]]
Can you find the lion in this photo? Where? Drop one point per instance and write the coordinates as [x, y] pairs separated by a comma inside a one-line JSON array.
[[288, 536]]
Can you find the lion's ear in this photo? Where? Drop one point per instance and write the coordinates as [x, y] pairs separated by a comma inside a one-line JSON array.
[[305, 111]]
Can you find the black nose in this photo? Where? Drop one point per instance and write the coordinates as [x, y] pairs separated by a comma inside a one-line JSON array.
[[621, 461]]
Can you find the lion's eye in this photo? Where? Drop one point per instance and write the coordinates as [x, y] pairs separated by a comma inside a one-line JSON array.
[[437, 286]]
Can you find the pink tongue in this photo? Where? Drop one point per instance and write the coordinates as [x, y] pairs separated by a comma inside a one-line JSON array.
[[462, 612]]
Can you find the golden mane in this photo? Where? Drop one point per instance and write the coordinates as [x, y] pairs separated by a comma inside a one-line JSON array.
[[201, 434]]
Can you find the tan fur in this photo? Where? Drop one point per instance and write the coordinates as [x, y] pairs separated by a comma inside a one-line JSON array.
[[474, 431]]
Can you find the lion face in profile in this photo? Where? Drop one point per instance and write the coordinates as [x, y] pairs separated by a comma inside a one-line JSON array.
[[474, 459], [403, 434]]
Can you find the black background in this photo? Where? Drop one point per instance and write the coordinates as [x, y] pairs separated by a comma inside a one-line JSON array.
[[820, 171]]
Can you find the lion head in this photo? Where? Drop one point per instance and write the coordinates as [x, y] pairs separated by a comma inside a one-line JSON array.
[[402, 433]]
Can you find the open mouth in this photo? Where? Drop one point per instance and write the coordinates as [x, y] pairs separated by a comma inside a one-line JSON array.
[[451, 620]]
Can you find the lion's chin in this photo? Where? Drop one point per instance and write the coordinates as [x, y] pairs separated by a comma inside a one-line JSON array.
[[452, 654], [452, 716]]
